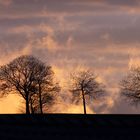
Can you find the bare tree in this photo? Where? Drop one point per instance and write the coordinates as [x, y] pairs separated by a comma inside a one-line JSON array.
[[46, 96], [130, 86], [85, 86], [23, 76], [45, 88]]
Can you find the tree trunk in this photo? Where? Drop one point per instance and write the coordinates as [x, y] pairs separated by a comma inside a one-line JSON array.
[[27, 105], [40, 100], [32, 109], [84, 102]]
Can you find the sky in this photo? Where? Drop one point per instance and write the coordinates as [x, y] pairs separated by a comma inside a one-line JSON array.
[[102, 35]]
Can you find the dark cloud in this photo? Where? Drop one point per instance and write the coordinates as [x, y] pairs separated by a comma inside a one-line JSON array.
[[123, 2], [34, 7]]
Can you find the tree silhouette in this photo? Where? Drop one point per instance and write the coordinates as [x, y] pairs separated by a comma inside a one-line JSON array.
[[85, 86], [130, 86], [45, 87], [28, 77], [45, 97]]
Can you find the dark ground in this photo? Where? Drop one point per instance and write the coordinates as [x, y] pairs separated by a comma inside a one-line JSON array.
[[70, 126]]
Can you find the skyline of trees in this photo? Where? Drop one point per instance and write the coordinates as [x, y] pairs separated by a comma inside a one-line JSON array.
[[34, 81]]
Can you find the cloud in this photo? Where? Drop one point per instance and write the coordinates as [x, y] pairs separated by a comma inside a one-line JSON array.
[[6, 2], [49, 8]]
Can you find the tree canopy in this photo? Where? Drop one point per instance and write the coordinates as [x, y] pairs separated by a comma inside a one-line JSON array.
[[130, 86], [31, 79], [84, 84]]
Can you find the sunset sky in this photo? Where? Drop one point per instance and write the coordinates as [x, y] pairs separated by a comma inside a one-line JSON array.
[[103, 35]]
